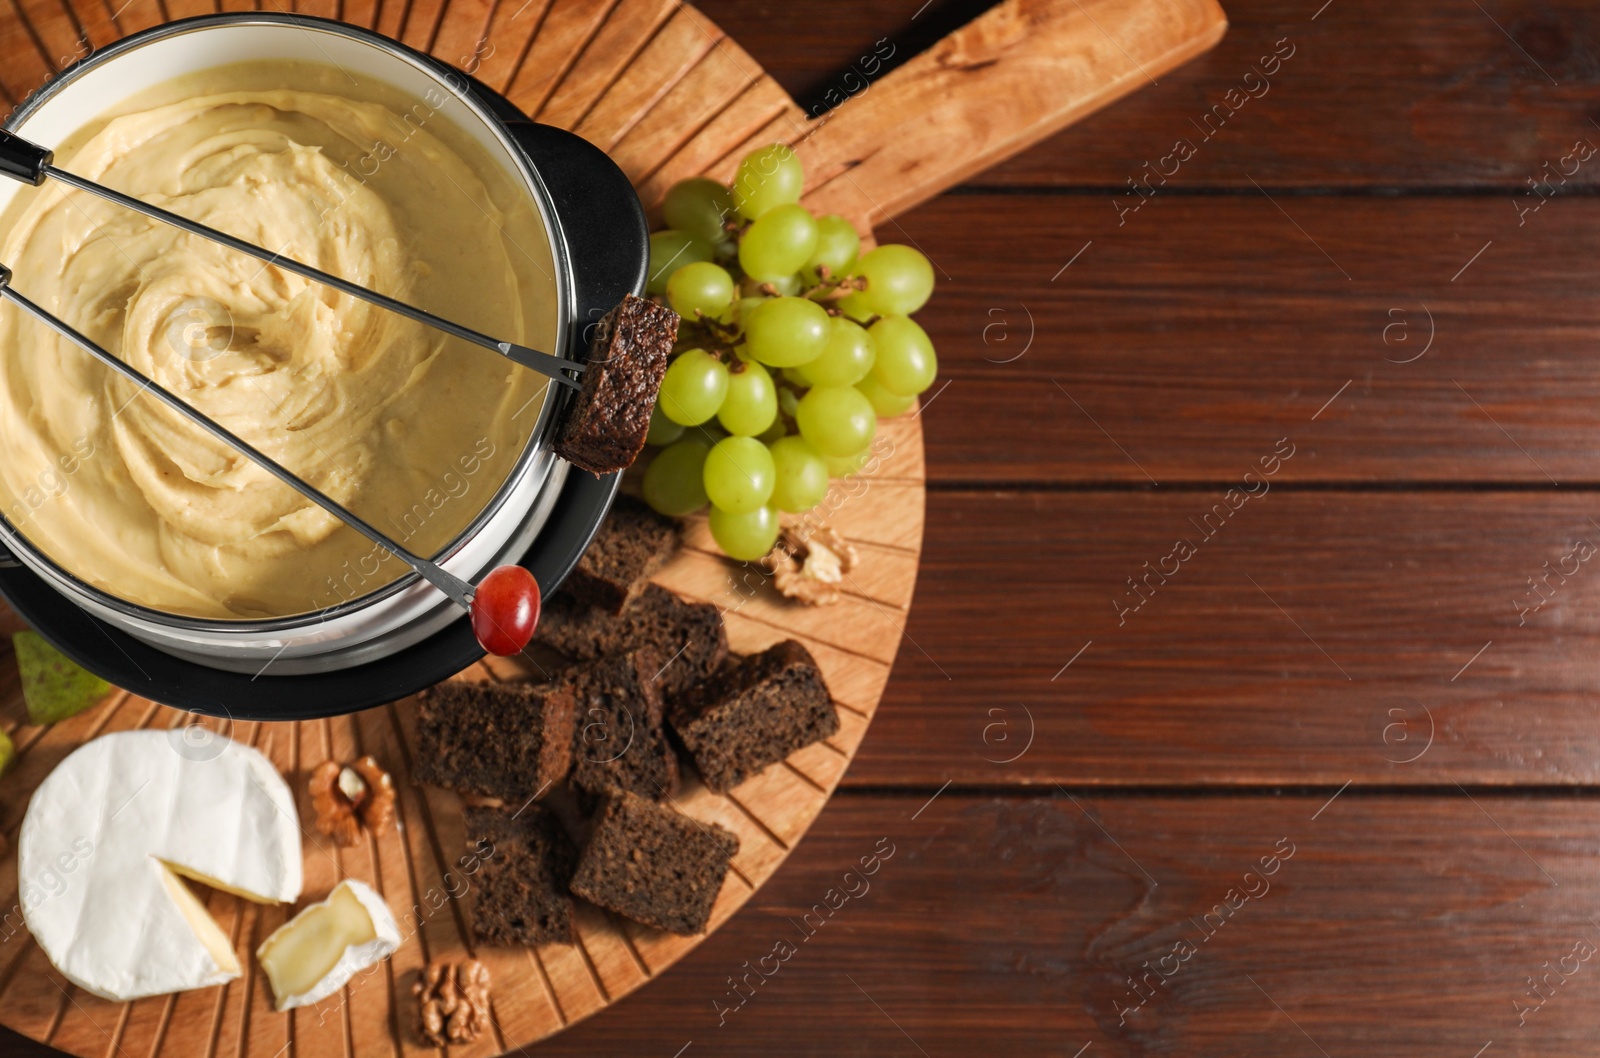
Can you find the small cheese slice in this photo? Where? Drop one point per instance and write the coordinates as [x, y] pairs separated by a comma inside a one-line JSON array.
[[110, 836], [314, 954]]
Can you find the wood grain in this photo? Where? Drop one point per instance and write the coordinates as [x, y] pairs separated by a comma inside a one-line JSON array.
[[606, 69], [1011, 924], [1011, 77], [1178, 344], [1234, 671], [1425, 95], [1409, 920]]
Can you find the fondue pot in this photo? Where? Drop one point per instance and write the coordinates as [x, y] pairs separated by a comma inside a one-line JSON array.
[[405, 636]]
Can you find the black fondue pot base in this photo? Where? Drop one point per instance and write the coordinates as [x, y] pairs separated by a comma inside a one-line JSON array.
[[608, 244]]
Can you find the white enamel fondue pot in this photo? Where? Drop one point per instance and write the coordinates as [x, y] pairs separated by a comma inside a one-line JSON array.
[[406, 635]]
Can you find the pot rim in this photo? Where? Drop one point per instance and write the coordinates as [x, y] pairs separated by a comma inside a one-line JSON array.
[[458, 85]]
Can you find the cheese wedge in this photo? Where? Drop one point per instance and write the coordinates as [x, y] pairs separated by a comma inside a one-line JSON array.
[[112, 833], [314, 954]]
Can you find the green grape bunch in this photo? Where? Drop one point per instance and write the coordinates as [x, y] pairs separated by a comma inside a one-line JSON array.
[[793, 345]]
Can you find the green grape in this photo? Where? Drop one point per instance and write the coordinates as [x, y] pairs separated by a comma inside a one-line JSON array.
[[846, 359], [670, 251], [779, 244], [837, 246], [769, 177], [746, 537], [837, 420], [663, 431], [693, 388], [739, 474], [856, 307], [751, 403], [740, 311], [844, 466], [699, 207], [788, 401], [710, 433], [899, 280], [674, 481], [906, 362], [786, 287], [793, 376], [885, 403], [700, 287], [802, 476], [773, 433], [787, 332]]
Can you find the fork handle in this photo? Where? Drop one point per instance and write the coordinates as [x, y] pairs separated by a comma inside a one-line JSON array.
[[22, 160]]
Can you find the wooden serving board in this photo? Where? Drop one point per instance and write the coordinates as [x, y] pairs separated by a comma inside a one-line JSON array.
[[669, 96]]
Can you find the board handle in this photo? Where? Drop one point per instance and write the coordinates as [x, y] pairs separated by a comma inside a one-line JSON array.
[[1018, 73]]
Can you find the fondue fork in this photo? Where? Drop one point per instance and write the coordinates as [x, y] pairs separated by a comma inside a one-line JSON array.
[[492, 611], [29, 163]]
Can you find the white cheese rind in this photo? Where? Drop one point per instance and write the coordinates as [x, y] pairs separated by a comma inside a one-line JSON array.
[[103, 826], [356, 957]]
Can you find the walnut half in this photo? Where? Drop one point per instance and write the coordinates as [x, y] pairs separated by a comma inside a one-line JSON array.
[[810, 566], [348, 798], [453, 1001]]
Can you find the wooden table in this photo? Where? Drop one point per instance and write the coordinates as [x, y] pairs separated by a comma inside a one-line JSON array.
[[1319, 779]]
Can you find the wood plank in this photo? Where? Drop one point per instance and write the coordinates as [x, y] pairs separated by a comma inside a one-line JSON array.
[[422, 20], [1360, 633], [1180, 346], [177, 9], [687, 108], [395, 875], [510, 32], [356, 12], [998, 85], [463, 38], [374, 1005], [680, 44], [58, 33], [754, 109], [1021, 911], [391, 17], [96, 27], [629, 26], [1417, 95], [565, 29], [134, 15]]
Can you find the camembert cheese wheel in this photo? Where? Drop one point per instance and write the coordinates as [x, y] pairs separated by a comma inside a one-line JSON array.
[[109, 837]]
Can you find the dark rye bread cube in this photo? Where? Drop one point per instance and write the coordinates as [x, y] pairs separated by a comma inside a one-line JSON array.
[[653, 865], [621, 735], [688, 636], [605, 427], [524, 865], [632, 543], [753, 713], [507, 740]]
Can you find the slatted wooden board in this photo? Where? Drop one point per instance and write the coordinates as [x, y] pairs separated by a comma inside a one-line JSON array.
[[669, 95]]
